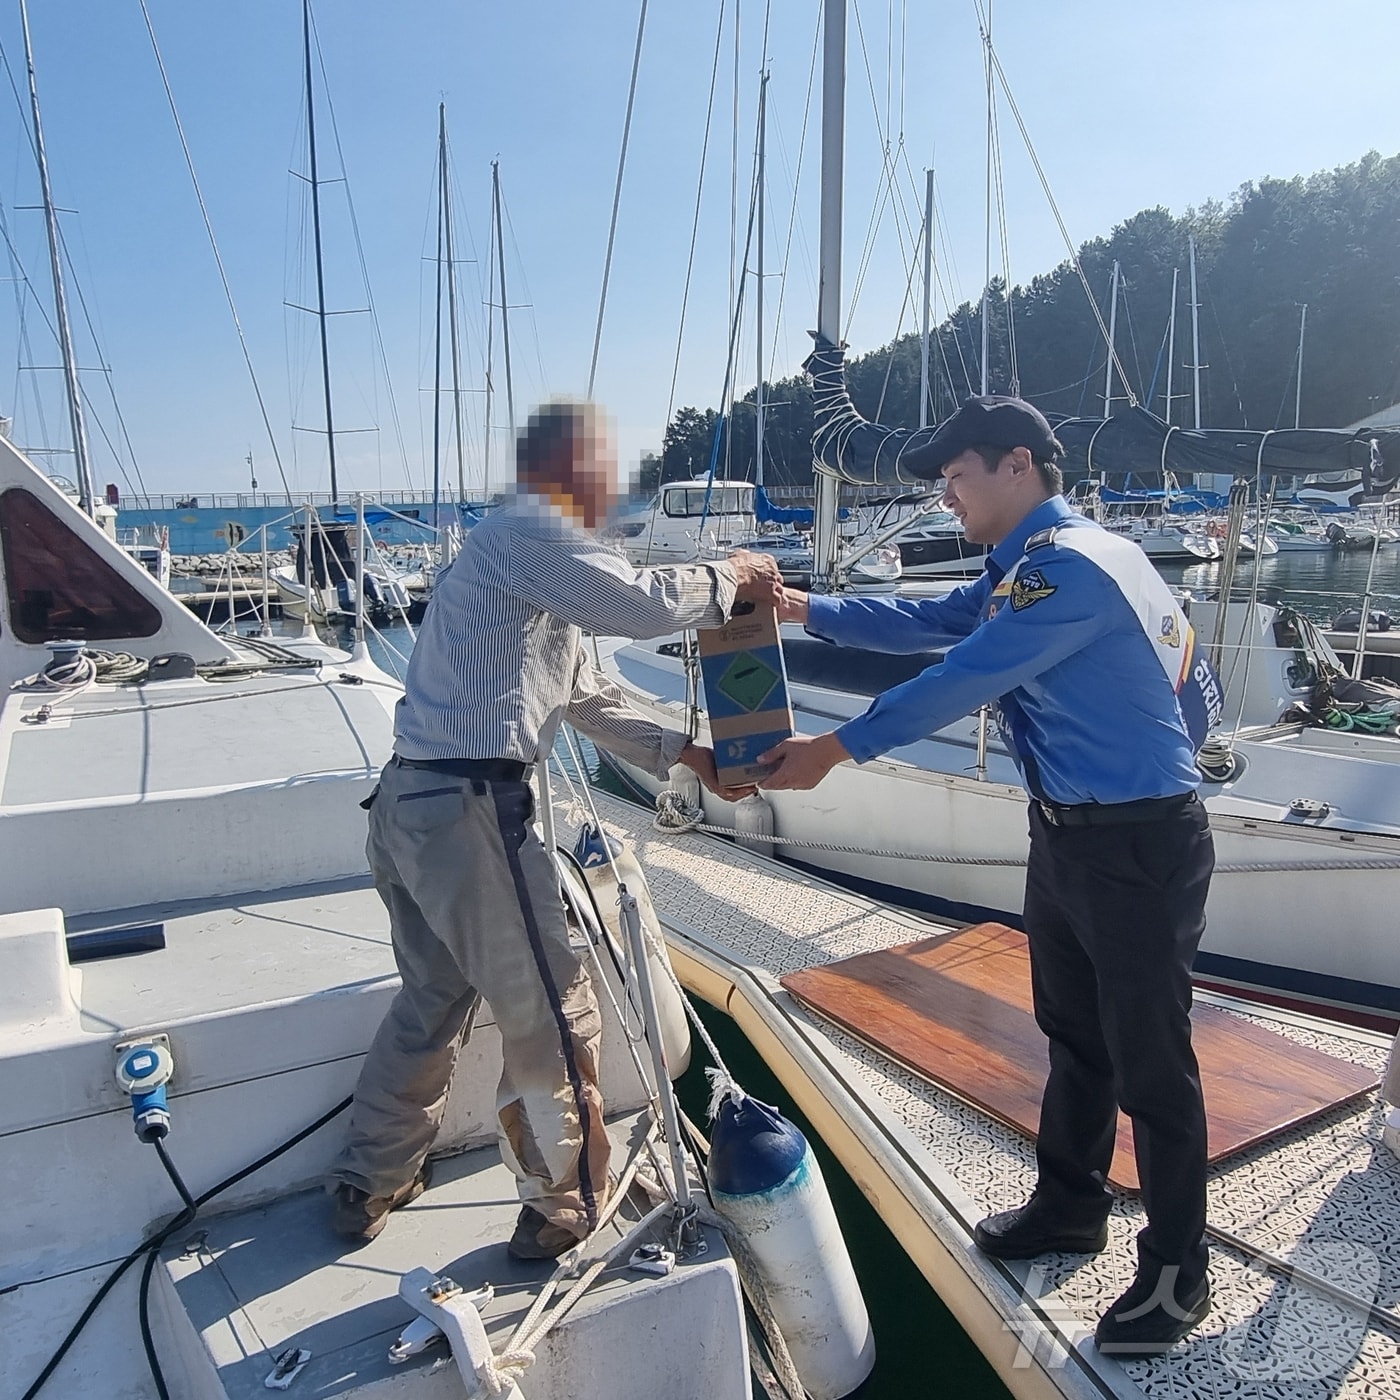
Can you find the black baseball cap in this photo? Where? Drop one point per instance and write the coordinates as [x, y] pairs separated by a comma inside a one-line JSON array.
[[991, 420]]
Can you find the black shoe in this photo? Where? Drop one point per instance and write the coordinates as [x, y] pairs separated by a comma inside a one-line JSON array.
[[1153, 1315], [1033, 1230]]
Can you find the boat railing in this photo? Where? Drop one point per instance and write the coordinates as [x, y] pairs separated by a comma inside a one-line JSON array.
[[280, 500]]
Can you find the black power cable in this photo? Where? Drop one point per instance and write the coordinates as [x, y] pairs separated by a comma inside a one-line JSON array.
[[150, 1248]]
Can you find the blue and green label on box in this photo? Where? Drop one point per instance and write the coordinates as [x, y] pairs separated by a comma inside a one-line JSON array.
[[746, 692]]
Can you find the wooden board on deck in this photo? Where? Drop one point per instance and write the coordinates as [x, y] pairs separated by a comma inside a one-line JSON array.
[[956, 1008]]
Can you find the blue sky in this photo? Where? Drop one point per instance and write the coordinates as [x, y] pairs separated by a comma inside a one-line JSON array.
[[1128, 106]]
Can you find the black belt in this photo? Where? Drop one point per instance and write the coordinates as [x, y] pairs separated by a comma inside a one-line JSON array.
[[1150, 809], [491, 770]]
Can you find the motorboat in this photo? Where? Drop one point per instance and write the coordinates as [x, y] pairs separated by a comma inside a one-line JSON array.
[[1162, 539]]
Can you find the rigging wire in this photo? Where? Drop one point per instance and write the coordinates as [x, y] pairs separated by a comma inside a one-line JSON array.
[[1132, 333], [796, 185], [104, 369], [529, 303], [890, 192], [1229, 366], [214, 246], [695, 222], [25, 345], [617, 197], [949, 261], [1050, 197], [67, 257], [949, 297], [24, 291], [363, 262], [1008, 289], [736, 295], [985, 300]]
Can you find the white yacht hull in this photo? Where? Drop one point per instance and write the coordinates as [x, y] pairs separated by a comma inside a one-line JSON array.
[[926, 831]]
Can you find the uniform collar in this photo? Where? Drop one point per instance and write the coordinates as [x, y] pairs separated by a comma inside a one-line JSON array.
[[1008, 552]]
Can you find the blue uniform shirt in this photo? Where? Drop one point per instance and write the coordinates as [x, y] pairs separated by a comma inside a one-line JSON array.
[[1101, 696]]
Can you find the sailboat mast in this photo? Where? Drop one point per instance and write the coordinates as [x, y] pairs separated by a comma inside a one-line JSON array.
[[452, 333], [1195, 338], [81, 459], [316, 236], [437, 327], [829, 256], [1171, 344], [1298, 393], [505, 314], [1112, 342], [758, 298], [928, 298], [987, 233], [490, 349]]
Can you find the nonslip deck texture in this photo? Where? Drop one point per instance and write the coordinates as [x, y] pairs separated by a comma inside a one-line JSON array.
[[957, 1009]]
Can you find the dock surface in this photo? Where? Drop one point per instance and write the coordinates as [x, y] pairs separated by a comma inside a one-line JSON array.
[[1321, 1200]]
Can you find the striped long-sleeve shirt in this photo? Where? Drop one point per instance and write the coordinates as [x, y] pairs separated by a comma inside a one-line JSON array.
[[500, 662]]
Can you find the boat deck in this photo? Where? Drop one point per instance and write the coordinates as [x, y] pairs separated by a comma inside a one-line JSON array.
[[1306, 1247], [241, 1289]]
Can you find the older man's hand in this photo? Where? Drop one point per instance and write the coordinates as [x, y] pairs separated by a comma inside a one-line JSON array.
[[700, 759], [757, 576]]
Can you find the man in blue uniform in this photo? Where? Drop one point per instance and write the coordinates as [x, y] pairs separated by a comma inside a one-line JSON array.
[[1102, 701]]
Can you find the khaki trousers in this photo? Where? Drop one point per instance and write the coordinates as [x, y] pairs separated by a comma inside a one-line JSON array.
[[475, 911]]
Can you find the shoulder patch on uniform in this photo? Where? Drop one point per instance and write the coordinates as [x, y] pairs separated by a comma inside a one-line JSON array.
[[1029, 588], [1041, 538], [1170, 633]]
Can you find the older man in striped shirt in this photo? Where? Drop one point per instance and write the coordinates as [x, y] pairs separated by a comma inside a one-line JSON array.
[[473, 896]]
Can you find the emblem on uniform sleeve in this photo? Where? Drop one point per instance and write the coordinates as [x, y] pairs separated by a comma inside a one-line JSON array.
[[1029, 588], [1170, 635]]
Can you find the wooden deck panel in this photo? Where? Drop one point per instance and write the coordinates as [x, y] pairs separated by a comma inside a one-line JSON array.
[[956, 1009]]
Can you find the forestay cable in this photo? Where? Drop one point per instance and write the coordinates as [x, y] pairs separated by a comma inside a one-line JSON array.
[[995, 62], [617, 197], [214, 245]]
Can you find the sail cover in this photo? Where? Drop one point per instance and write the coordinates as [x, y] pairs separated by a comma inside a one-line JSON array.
[[1133, 442]]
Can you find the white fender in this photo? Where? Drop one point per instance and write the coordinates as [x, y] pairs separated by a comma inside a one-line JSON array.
[[753, 824], [766, 1182]]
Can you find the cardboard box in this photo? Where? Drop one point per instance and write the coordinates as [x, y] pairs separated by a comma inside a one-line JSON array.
[[746, 691]]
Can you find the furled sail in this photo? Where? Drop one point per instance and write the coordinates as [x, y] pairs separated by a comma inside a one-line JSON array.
[[1133, 442], [847, 446]]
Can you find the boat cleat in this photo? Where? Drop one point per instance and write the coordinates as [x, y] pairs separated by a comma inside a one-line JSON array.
[[446, 1309], [652, 1259], [422, 1334]]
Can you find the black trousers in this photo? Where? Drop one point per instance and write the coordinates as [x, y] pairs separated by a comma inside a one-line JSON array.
[[1114, 915]]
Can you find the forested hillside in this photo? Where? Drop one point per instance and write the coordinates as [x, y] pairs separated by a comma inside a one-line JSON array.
[[1330, 240]]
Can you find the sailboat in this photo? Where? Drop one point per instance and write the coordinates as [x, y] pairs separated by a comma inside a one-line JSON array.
[[334, 564], [193, 962]]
